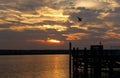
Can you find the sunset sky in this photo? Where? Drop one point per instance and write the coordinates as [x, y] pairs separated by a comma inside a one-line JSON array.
[[52, 24]]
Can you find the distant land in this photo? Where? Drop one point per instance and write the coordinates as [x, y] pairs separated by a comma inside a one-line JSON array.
[[32, 52], [37, 52]]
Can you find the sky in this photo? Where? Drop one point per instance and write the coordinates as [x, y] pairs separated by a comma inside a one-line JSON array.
[[52, 24]]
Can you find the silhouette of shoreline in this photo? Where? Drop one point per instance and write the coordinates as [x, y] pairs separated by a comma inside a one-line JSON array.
[[37, 52], [32, 52]]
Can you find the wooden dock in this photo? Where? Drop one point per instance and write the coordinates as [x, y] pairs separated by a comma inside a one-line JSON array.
[[94, 63]]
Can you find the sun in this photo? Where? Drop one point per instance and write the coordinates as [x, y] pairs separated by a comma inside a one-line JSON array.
[[49, 41], [54, 41]]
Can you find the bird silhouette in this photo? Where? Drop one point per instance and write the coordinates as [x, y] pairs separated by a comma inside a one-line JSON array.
[[79, 19]]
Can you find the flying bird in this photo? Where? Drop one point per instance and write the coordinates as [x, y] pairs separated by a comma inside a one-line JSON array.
[[79, 19]]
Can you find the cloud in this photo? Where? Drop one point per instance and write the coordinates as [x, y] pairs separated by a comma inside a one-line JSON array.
[[44, 28], [97, 4], [75, 36], [103, 15], [111, 35]]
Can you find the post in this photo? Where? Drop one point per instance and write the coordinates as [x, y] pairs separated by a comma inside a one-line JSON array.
[[111, 66], [70, 48], [74, 63], [85, 63]]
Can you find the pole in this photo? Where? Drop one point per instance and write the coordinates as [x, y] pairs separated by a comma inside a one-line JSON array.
[[70, 48]]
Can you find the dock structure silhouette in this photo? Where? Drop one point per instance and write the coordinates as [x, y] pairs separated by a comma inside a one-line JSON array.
[[94, 63]]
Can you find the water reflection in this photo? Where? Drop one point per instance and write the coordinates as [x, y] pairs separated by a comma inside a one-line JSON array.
[[35, 66]]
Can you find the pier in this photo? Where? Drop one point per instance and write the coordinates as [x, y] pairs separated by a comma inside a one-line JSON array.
[[94, 63]]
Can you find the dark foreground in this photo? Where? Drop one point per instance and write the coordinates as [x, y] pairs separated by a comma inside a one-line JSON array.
[[95, 63]]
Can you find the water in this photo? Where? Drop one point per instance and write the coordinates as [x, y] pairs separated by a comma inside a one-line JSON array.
[[34, 66]]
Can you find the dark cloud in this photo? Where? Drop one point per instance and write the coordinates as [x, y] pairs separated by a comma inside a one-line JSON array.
[[118, 1], [23, 5], [86, 14]]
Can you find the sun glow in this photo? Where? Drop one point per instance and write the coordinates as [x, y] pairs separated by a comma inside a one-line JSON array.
[[49, 41], [53, 41]]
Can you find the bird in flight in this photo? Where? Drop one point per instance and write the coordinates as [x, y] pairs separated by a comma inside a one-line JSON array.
[[79, 19]]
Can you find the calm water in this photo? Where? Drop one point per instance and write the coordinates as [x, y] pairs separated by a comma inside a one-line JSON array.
[[34, 66]]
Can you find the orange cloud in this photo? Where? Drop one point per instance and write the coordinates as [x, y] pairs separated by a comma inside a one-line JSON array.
[[3, 22], [103, 15], [42, 14], [79, 27], [110, 24], [111, 35], [56, 15], [58, 28], [75, 36]]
